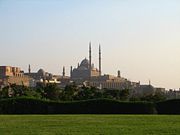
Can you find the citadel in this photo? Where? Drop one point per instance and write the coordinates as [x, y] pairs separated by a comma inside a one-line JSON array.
[[84, 74]]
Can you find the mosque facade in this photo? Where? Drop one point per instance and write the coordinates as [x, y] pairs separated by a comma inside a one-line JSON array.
[[86, 73], [86, 70]]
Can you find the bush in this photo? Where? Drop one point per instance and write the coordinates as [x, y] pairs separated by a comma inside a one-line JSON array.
[[168, 107], [97, 106]]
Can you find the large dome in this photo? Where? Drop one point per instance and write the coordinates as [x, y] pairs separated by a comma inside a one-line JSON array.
[[85, 63]]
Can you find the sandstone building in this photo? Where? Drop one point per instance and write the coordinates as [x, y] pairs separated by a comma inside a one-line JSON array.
[[13, 75]]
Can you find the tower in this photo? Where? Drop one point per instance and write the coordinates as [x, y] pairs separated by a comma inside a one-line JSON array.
[[149, 82], [119, 74], [29, 68], [99, 60], [89, 59], [63, 71], [71, 70]]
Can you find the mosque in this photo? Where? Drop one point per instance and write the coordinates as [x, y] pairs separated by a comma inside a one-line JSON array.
[[86, 70], [86, 73]]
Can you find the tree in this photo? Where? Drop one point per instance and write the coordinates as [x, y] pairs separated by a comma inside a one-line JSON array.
[[51, 91], [111, 93], [86, 93], [17, 90], [70, 92], [4, 93], [32, 93], [124, 94], [158, 96]]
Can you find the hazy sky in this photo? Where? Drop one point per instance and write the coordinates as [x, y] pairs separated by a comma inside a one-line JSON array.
[[139, 37]]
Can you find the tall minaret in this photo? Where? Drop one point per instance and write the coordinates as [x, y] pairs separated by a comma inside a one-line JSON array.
[[100, 60], [119, 74], [71, 70], [89, 59], [29, 68], [63, 71], [149, 82]]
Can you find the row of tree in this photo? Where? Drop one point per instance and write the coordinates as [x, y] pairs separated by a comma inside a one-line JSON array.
[[73, 92]]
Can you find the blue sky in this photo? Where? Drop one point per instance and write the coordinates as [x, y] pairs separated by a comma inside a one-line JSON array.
[[138, 37]]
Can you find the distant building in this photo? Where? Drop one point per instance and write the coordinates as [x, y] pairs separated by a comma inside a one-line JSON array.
[[142, 90], [44, 77], [41, 77], [173, 94], [13, 75], [86, 73]]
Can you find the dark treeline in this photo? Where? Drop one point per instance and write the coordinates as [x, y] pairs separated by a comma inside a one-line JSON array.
[[73, 93], [26, 105]]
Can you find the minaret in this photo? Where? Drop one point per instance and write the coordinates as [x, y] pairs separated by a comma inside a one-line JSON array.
[[99, 60], [29, 69], [119, 74], [149, 82], [89, 59], [63, 71], [71, 70]]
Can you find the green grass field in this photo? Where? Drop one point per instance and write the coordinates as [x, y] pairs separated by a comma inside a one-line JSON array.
[[89, 124]]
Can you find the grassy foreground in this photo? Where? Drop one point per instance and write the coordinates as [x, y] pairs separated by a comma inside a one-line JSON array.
[[89, 124]]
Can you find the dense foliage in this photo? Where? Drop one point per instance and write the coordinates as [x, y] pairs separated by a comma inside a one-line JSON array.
[[168, 107], [73, 93], [24, 105], [95, 106]]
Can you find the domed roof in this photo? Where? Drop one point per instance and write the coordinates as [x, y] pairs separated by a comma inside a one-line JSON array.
[[41, 72], [85, 63]]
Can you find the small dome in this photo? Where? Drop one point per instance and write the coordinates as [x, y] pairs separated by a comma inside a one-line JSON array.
[[41, 72], [85, 63]]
